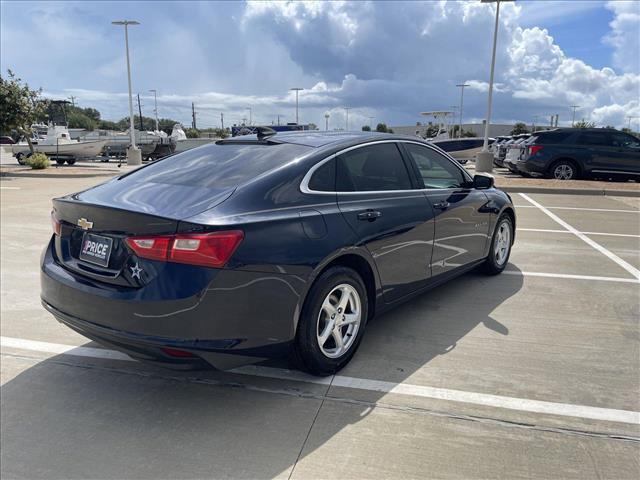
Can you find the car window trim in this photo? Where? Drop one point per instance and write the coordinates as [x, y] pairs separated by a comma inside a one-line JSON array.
[[304, 184]]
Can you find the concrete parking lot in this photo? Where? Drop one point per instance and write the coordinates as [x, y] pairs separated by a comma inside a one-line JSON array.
[[531, 374]]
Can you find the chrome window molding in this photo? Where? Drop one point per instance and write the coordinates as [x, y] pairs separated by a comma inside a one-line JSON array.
[[304, 185]]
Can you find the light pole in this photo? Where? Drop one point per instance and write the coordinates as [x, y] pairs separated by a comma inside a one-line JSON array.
[[297, 90], [346, 109], [631, 117], [134, 156], [155, 105], [484, 162], [250, 116], [461, 85], [451, 126], [326, 122], [371, 122], [573, 118]]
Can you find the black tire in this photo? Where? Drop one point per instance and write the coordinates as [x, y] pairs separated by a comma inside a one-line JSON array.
[[491, 265], [60, 161], [71, 161], [20, 158], [307, 353], [564, 170]]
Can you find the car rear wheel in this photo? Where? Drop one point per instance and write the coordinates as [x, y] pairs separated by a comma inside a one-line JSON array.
[[332, 322], [564, 170], [60, 161], [20, 158], [500, 246]]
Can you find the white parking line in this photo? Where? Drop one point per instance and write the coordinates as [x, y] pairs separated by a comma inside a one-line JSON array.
[[499, 401], [628, 267], [572, 277], [9, 188], [581, 208], [545, 230]]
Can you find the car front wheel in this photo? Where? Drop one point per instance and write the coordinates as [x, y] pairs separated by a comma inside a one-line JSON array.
[[332, 322], [500, 246]]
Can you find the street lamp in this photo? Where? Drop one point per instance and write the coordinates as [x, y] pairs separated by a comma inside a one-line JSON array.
[[371, 122], [134, 156], [346, 109], [326, 122], [484, 162], [155, 109], [631, 117], [461, 85], [573, 119], [297, 90], [250, 116]]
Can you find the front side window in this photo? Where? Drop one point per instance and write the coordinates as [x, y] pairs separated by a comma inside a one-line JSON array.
[[436, 170], [624, 141], [372, 168]]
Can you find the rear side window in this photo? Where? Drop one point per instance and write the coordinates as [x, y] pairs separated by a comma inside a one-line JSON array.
[[217, 166], [554, 137], [324, 178], [436, 170], [373, 168], [593, 138]]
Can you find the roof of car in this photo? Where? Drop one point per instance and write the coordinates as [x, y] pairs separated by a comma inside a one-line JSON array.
[[317, 139]]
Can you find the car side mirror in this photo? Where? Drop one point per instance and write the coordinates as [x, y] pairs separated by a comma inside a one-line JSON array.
[[483, 182]]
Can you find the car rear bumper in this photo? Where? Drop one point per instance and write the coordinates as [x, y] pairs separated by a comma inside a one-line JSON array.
[[227, 318]]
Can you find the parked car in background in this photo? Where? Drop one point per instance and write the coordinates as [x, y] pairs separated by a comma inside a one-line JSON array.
[[495, 149], [502, 151], [514, 151], [5, 140], [572, 153], [462, 149], [249, 248]]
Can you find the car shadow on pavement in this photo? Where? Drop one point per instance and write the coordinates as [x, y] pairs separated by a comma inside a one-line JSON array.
[[72, 417]]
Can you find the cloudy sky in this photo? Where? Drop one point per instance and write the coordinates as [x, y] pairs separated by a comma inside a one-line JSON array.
[[387, 60]]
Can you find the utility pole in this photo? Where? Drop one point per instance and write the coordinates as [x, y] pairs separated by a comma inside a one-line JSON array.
[[278, 119], [155, 109], [326, 122], [573, 119], [222, 120], [461, 86], [134, 156], [371, 122], [346, 109], [193, 116], [250, 116], [631, 117], [140, 114], [73, 100], [297, 90], [557, 117]]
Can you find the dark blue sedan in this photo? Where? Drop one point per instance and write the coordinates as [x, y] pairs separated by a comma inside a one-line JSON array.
[[264, 245]]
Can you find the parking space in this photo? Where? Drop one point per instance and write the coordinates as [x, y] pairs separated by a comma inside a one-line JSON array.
[[533, 373]]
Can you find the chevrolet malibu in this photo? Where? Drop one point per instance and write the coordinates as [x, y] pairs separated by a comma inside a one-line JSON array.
[[268, 245]]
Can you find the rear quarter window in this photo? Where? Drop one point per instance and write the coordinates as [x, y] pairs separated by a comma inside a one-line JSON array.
[[218, 166], [555, 137]]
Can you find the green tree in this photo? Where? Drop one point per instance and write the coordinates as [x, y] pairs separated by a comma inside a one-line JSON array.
[[382, 127], [20, 106], [366, 128], [519, 128]]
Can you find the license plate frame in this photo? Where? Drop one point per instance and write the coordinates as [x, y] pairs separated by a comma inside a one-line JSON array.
[[92, 249]]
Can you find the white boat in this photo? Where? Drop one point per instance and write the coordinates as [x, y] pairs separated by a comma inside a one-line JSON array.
[[183, 143], [118, 142], [462, 149], [58, 144]]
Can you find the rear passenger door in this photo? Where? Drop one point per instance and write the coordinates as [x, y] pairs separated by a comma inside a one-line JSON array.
[[378, 199], [462, 221], [625, 153]]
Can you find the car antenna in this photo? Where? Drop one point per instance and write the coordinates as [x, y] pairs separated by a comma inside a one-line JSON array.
[[265, 132]]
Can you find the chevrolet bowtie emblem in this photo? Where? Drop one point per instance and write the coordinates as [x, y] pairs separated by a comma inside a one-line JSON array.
[[85, 224]]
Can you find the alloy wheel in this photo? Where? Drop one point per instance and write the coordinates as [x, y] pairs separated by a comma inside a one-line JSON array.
[[503, 243], [339, 320], [564, 171]]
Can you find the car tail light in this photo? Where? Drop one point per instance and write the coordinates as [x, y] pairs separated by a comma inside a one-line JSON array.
[[55, 224], [206, 249], [174, 352], [533, 149]]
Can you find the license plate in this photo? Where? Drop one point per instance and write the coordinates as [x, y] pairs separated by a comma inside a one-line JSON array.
[[96, 249]]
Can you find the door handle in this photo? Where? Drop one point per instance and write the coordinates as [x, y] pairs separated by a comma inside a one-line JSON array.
[[441, 205], [369, 215]]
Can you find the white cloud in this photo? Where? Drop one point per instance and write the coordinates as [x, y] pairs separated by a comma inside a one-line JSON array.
[[625, 35]]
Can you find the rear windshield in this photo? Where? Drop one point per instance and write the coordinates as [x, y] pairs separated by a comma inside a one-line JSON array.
[[552, 137], [218, 166]]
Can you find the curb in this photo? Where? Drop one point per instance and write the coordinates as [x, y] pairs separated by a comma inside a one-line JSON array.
[[572, 191], [58, 175]]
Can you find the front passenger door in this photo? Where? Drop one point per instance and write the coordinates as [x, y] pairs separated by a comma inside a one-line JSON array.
[[462, 221]]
